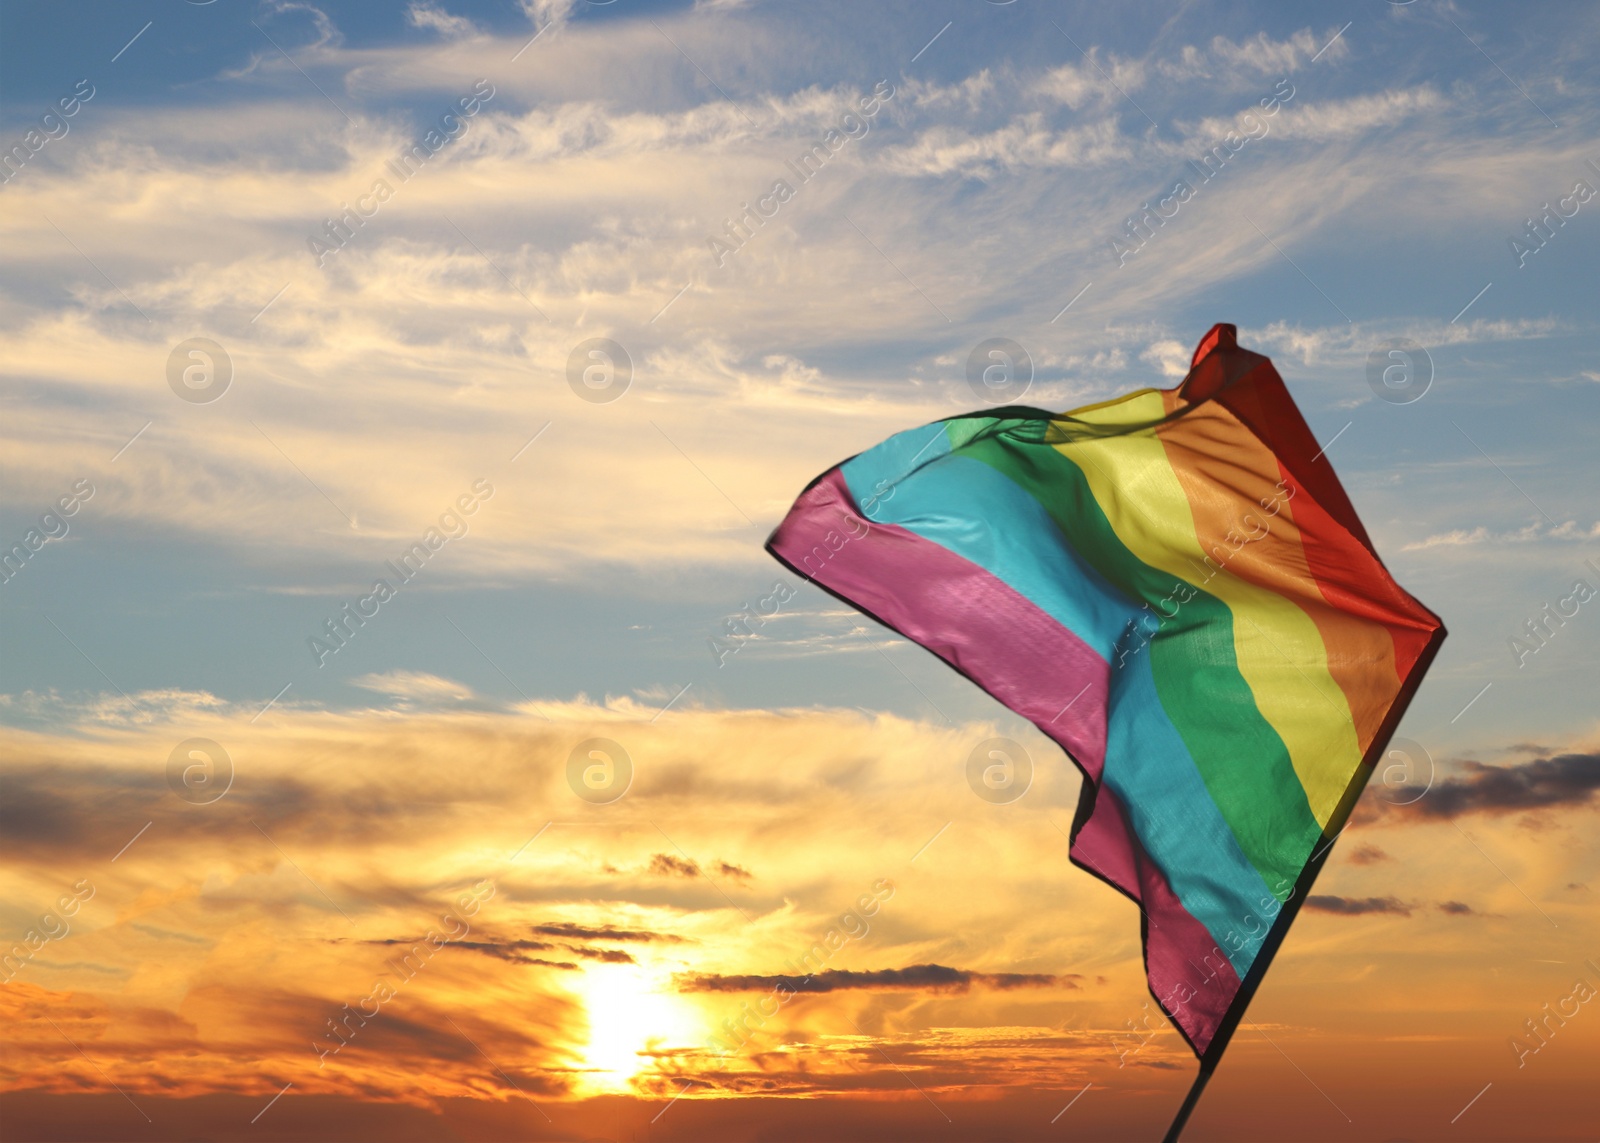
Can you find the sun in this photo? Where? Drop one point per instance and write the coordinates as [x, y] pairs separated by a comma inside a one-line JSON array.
[[631, 1010]]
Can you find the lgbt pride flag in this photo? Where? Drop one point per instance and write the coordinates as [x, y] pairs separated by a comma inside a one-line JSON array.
[[1174, 587]]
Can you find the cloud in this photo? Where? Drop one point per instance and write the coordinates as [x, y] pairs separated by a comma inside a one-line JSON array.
[[1105, 77], [1171, 357], [422, 14], [918, 977], [1536, 531], [1454, 539], [515, 952], [603, 933], [1456, 908], [415, 685], [1026, 143], [1367, 855], [328, 35], [969, 93], [1353, 906], [1077, 84], [666, 865], [1227, 60], [805, 634], [1559, 780], [144, 708], [1347, 346], [1344, 118], [544, 13], [1319, 122], [1262, 54]]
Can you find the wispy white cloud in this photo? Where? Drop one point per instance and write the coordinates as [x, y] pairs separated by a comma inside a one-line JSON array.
[[1537, 531], [1025, 143], [81, 712], [328, 34], [1093, 79], [1349, 344], [1266, 56], [1345, 118], [422, 14], [415, 686], [969, 94], [544, 13]]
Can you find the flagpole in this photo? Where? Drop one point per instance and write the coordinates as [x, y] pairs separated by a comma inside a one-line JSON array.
[[1182, 1117]]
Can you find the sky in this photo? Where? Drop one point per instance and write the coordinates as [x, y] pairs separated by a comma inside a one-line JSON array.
[[559, 305]]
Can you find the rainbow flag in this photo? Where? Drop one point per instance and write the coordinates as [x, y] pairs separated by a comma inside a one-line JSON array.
[[1175, 588]]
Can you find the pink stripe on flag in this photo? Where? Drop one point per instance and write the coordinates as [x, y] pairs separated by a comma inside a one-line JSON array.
[[1191, 977], [976, 623]]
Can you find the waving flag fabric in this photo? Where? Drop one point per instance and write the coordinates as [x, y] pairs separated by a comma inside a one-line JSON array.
[[1175, 588]]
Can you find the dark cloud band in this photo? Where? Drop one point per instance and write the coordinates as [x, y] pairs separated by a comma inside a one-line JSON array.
[[923, 977]]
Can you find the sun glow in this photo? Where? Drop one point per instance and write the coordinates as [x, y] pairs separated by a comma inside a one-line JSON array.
[[631, 1011]]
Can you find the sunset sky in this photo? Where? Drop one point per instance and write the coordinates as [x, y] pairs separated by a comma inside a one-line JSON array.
[[523, 853]]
